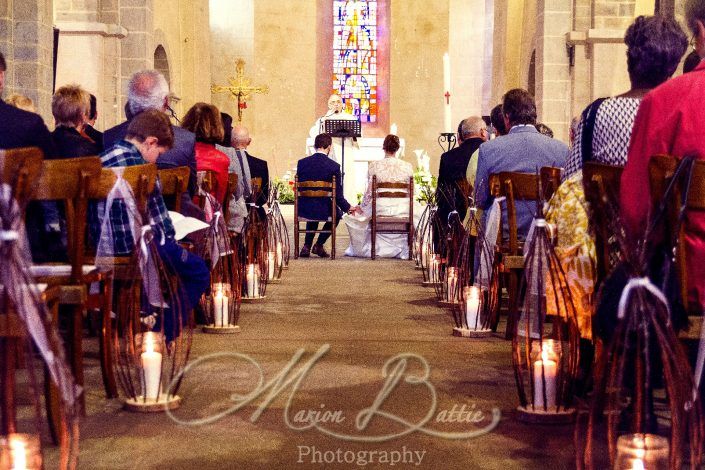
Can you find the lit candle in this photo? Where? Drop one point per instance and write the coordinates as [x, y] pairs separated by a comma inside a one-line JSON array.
[[546, 370], [638, 464], [452, 284], [447, 127], [221, 304], [252, 281], [433, 269], [642, 451], [472, 306], [280, 254], [271, 264], [20, 452], [151, 365]]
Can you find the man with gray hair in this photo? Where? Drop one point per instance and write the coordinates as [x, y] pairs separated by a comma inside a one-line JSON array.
[[452, 193], [234, 145], [148, 89]]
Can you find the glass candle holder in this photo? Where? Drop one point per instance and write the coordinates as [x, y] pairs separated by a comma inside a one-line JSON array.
[[222, 296], [642, 451], [252, 279], [473, 301], [451, 284], [151, 345], [20, 452], [545, 360]]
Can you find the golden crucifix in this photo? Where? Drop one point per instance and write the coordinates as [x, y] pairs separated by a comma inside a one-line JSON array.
[[240, 88]]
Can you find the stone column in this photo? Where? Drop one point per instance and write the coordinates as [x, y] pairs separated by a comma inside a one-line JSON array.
[[26, 41], [554, 18], [89, 52], [137, 48]]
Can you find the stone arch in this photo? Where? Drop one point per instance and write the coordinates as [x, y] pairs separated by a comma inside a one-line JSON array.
[[161, 62]]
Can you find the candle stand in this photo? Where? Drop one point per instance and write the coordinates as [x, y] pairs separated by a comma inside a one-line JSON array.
[[447, 141]]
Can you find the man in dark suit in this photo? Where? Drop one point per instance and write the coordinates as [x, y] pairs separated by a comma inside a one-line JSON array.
[[318, 167], [20, 128], [148, 89], [450, 193], [256, 167]]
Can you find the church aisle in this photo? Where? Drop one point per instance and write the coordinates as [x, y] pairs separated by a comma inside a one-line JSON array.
[[367, 312]]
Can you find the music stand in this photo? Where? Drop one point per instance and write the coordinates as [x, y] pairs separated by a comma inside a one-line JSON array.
[[343, 128]]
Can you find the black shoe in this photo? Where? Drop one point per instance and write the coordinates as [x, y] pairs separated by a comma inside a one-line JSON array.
[[320, 251], [305, 252]]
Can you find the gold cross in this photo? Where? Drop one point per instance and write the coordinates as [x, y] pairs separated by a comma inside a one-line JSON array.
[[240, 88]]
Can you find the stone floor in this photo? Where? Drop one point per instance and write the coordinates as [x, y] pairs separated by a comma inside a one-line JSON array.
[[361, 315]]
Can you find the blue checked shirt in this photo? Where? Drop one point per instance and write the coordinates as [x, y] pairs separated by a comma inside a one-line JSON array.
[[123, 153]]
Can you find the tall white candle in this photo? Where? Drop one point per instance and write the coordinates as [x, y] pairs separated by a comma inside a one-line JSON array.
[[221, 308], [271, 264], [447, 126], [452, 284], [393, 129], [472, 306], [252, 280], [547, 369], [152, 366]]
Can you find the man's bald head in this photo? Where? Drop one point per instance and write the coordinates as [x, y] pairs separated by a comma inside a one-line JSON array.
[[241, 137], [474, 126]]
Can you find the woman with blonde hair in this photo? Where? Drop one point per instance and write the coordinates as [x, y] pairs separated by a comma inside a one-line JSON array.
[[204, 120], [70, 105], [21, 102]]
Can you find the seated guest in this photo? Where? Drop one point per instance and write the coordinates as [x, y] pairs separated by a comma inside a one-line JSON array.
[[497, 123], [204, 121], [21, 102], [88, 129], [148, 89], [234, 145], [20, 128], [670, 120], [149, 135], [450, 195], [522, 150], [70, 105], [655, 45], [318, 167], [258, 168], [388, 170]]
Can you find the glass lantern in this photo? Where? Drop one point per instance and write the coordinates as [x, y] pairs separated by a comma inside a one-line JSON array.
[[642, 451], [254, 256], [544, 347], [20, 452]]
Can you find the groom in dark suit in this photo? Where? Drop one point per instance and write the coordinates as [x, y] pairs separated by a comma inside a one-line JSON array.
[[318, 167]]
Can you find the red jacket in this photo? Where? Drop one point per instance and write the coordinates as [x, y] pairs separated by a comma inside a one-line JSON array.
[[670, 120], [208, 158]]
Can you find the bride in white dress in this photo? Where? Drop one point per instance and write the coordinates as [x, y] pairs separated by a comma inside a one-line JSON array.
[[388, 170]]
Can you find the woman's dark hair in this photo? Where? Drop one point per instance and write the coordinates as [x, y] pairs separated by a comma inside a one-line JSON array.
[[497, 120], [655, 45], [93, 109], [692, 60], [227, 129], [204, 120], [519, 107], [391, 144]]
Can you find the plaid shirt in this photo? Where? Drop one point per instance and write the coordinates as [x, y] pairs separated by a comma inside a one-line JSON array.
[[123, 153]]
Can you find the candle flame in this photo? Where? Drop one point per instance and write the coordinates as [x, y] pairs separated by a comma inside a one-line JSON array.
[[149, 341], [18, 449]]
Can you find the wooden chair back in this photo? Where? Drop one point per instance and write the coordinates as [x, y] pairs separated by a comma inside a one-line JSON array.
[[20, 169], [523, 187], [601, 186], [141, 178], [174, 183], [312, 189], [391, 224], [661, 171], [70, 181]]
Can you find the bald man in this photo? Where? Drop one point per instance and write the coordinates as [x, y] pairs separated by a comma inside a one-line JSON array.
[[454, 164]]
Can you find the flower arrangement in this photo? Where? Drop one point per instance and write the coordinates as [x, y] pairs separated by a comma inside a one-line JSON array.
[[424, 185], [285, 188]]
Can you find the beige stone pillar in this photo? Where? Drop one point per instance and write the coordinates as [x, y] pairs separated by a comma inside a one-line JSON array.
[[26, 40], [137, 48], [554, 19]]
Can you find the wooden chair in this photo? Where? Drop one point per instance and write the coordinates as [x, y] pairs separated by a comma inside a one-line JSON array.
[[392, 224], [229, 192], [518, 187], [174, 184], [21, 169], [601, 186], [69, 182], [314, 189]]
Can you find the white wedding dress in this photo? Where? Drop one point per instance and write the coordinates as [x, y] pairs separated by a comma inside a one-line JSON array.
[[388, 245]]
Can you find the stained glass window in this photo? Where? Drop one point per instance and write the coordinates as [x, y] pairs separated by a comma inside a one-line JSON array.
[[355, 56]]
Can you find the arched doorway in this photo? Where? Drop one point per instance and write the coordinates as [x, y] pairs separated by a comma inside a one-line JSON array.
[[161, 63]]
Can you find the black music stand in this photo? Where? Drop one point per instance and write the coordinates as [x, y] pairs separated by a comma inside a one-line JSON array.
[[343, 128]]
